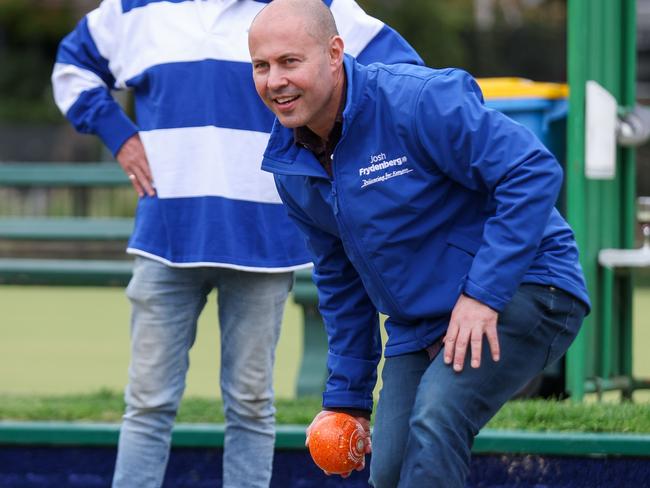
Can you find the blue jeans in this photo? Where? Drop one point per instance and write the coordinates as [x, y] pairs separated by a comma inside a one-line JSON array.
[[427, 415], [166, 305]]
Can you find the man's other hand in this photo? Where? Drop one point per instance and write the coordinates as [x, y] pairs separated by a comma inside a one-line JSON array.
[[470, 320]]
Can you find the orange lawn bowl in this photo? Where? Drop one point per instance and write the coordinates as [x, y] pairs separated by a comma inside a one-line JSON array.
[[337, 443]]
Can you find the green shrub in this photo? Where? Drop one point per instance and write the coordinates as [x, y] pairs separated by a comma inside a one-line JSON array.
[[30, 32]]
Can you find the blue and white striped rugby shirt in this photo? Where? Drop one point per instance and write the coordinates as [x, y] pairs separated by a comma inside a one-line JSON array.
[[202, 124]]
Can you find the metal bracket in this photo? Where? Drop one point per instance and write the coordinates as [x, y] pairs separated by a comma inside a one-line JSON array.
[[608, 125], [634, 127]]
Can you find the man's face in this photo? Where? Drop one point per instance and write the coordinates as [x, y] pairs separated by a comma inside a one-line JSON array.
[[294, 74]]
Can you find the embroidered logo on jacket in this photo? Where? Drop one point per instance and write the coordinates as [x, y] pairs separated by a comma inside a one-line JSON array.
[[379, 162]]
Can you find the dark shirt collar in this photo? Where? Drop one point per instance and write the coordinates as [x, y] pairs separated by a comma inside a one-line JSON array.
[[323, 149]]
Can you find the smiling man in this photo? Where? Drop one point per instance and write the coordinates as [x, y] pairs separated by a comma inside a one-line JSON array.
[[418, 202], [292, 80]]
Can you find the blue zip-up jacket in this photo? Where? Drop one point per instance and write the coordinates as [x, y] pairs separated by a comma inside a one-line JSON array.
[[432, 195]]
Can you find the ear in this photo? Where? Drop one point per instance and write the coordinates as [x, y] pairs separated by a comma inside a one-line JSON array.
[[336, 49]]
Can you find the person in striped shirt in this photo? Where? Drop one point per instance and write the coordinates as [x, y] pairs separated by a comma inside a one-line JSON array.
[[207, 217]]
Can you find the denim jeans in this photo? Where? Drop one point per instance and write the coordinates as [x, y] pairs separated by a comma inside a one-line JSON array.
[[166, 303], [428, 415]]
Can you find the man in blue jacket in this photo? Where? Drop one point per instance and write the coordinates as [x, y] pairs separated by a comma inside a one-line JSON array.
[[420, 203]]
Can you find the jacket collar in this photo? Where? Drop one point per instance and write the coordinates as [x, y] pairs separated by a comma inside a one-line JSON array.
[[283, 156]]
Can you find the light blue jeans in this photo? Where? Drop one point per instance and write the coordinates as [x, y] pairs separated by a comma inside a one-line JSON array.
[[166, 303], [428, 415]]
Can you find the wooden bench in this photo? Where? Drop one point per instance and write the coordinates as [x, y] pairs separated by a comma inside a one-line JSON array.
[[80, 178], [313, 372], [65, 228], [62, 175], [68, 272], [81, 228]]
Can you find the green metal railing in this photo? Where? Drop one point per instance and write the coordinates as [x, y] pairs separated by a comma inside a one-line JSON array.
[[602, 47], [293, 437]]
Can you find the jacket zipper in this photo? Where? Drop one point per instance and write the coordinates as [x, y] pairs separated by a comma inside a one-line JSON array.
[[377, 281]]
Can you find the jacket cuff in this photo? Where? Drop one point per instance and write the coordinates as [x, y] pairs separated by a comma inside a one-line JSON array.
[[354, 412], [114, 128], [479, 293], [347, 400], [350, 383]]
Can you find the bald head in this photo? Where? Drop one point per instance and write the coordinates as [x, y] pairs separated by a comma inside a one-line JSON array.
[[314, 15], [297, 59]]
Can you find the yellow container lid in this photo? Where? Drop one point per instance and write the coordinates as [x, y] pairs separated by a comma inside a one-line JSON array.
[[521, 88]]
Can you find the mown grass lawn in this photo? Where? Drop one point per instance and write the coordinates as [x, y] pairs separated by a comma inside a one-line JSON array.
[[68, 340], [533, 415], [58, 344]]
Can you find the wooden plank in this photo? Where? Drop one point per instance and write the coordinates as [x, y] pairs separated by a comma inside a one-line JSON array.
[[65, 272], [65, 228], [62, 174]]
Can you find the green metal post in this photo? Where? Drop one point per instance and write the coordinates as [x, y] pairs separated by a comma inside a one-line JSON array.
[[575, 181], [628, 169], [602, 47]]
